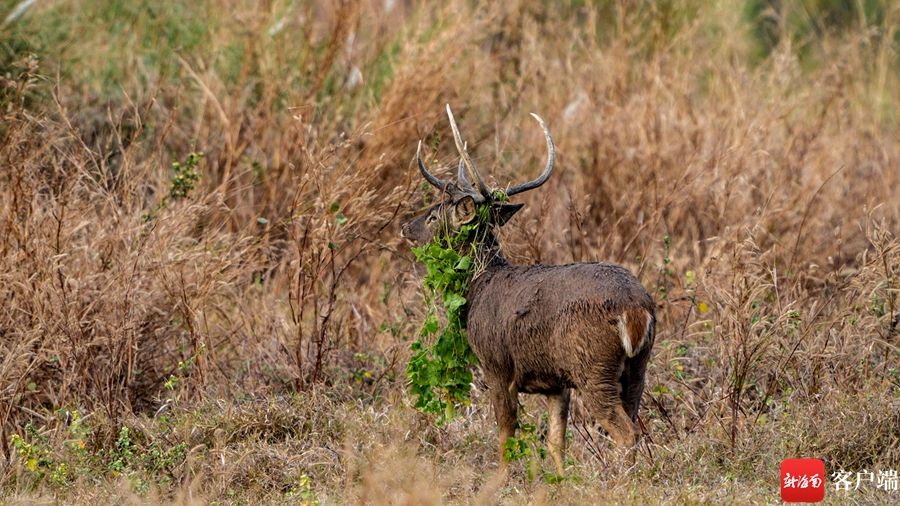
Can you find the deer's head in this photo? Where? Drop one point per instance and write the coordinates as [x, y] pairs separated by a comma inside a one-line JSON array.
[[462, 201]]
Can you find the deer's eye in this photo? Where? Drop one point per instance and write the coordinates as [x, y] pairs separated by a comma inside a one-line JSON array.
[[431, 218]]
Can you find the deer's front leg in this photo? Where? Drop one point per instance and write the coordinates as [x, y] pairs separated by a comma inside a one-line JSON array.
[[505, 398], [558, 407]]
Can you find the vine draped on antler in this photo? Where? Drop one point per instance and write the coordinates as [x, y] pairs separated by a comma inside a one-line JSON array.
[[440, 374]]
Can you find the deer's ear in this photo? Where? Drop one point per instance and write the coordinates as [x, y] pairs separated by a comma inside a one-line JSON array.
[[503, 212], [464, 210]]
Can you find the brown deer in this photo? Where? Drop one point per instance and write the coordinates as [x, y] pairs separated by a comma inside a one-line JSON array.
[[545, 329]]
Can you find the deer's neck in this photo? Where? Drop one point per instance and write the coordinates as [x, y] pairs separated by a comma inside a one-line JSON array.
[[488, 253]]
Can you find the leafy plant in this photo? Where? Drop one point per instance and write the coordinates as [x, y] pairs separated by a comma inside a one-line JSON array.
[[303, 491], [123, 454], [525, 447], [183, 182], [186, 176], [440, 374], [161, 462], [35, 453], [38, 457]]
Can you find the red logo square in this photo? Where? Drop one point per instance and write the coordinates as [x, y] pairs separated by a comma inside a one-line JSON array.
[[802, 480]]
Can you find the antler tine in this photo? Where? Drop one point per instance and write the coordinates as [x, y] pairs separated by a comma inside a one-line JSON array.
[[461, 177], [461, 180], [548, 169], [437, 183], [482, 187], [465, 186]]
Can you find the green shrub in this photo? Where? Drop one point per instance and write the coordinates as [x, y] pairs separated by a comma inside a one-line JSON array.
[[440, 375]]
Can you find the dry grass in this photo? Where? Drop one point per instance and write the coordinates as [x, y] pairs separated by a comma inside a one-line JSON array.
[[254, 333]]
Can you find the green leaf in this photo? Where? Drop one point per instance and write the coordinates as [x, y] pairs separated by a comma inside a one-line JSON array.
[[453, 301], [431, 324], [463, 264]]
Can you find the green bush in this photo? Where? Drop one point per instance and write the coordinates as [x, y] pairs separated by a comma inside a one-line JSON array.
[[440, 375]]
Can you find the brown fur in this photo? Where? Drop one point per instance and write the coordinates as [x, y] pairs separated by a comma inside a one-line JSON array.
[[547, 329]]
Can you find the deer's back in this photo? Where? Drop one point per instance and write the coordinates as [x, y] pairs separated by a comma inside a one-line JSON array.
[[542, 325]]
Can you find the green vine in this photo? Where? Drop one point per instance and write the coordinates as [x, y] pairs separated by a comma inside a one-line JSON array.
[[440, 374]]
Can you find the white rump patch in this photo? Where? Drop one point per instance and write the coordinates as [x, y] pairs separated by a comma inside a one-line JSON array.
[[626, 338], [623, 335]]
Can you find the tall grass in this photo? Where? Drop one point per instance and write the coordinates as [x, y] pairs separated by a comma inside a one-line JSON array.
[[740, 158]]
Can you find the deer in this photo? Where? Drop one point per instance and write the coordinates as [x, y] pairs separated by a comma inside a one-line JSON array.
[[544, 329]]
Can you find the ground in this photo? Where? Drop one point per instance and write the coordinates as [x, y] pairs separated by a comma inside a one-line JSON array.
[[206, 298]]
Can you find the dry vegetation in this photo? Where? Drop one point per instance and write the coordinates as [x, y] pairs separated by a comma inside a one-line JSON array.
[[241, 338]]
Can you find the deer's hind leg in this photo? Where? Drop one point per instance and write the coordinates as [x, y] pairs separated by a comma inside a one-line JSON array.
[[635, 366], [505, 399], [602, 394], [558, 407], [632, 382]]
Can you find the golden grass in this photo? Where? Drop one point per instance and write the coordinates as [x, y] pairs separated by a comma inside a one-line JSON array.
[[263, 321]]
